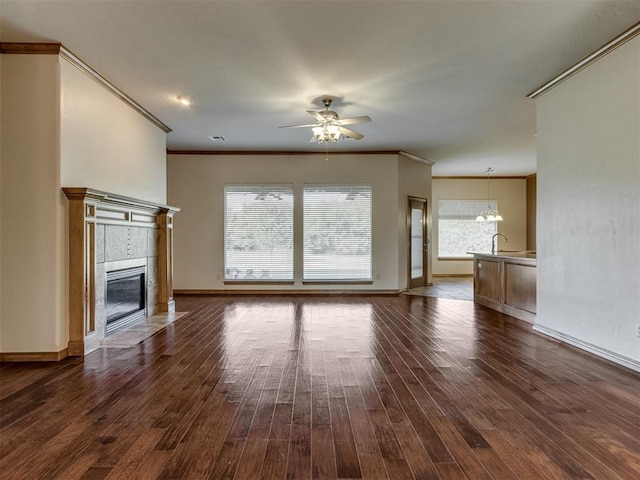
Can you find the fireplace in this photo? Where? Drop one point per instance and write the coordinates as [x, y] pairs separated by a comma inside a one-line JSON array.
[[125, 298], [125, 293], [120, 264]]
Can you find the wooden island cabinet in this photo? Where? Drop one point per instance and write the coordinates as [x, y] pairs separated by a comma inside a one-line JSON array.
[[506, 282]]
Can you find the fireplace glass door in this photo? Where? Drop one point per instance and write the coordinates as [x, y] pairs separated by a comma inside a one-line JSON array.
[[125, 297]]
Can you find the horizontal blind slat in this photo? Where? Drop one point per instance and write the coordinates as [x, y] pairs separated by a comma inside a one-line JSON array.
[[458, 230], [258, 232], [337, 232]]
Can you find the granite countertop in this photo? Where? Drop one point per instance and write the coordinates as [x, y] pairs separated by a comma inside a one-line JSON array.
[[508, 254]]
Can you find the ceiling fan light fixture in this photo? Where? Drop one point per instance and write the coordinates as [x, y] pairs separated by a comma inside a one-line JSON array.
[[329, 126], [318, 134], [333, 131], [326, 133]]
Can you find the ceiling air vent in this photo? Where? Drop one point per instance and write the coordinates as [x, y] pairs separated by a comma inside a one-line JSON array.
[[217, 138]]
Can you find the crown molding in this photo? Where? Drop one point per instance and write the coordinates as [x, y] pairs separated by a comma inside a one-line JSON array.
[[588, 60], [416, 158], [14, 48], [475, 177], [97, 77], [59, 49], [300, 152], [275, 152]]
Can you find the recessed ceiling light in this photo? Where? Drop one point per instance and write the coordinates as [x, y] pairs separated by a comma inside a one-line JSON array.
[[184, 101]]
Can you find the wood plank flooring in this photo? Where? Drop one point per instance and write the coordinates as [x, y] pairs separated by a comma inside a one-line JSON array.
[[324, 388]]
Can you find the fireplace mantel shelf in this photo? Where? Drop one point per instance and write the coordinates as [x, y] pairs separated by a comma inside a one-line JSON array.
[[85, 193]]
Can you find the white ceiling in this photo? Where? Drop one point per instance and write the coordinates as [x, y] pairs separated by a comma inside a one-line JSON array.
[[446, 80]]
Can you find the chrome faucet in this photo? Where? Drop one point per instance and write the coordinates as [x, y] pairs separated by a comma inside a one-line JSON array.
[[493, 243]]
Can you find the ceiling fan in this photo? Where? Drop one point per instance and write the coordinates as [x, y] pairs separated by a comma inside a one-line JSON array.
[[329, 127]]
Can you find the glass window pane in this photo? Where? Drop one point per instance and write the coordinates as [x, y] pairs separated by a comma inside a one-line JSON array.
[[337, 232], [258, 232], [417, 231], [458, 230]]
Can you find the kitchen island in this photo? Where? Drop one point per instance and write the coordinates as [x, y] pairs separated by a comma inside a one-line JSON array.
[[506, 282]]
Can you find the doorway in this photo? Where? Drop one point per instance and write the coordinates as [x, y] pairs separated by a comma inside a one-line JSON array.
[[418, 243]]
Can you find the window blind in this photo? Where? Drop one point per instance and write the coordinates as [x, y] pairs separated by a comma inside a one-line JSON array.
[[337, 232], [258, 232]]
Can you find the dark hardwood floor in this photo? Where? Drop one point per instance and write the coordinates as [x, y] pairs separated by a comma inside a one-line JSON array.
[[328, 387]]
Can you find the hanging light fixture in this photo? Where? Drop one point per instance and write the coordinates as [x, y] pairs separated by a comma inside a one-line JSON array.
[[489, 214], [329, 127], [326, 133]]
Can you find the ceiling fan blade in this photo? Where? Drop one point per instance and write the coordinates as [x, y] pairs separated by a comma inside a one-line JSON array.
[[350, 133], [308, 125], [349, 121], [317, 116]]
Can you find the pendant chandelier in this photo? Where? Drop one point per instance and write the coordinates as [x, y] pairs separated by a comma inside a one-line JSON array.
[[489, 214]]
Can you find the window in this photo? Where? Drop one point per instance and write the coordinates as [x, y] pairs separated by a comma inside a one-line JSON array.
[[337, 232], [458, 230], [258, 232]]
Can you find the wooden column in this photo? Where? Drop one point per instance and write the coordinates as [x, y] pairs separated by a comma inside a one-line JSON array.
[[165, 260], [81, 271]]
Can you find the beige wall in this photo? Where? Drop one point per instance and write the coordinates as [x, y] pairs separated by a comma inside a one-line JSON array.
[[58, 129], [414, 180], [196, 185], [589, 207], [32, 310], [107, 145], [1, 202], [511, 197]]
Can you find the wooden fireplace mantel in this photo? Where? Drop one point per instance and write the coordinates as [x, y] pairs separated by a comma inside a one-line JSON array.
[[88, 209]]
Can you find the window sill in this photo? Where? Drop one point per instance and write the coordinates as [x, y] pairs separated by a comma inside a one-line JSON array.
[[258, 282], [455, 259], [337, 282]]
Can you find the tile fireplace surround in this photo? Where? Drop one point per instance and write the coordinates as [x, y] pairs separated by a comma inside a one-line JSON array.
[[106, 231]]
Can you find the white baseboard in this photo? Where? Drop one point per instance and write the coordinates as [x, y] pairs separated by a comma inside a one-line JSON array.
[[594, 349]]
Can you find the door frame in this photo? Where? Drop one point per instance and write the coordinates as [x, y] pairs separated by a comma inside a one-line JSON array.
[[424, 280]]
